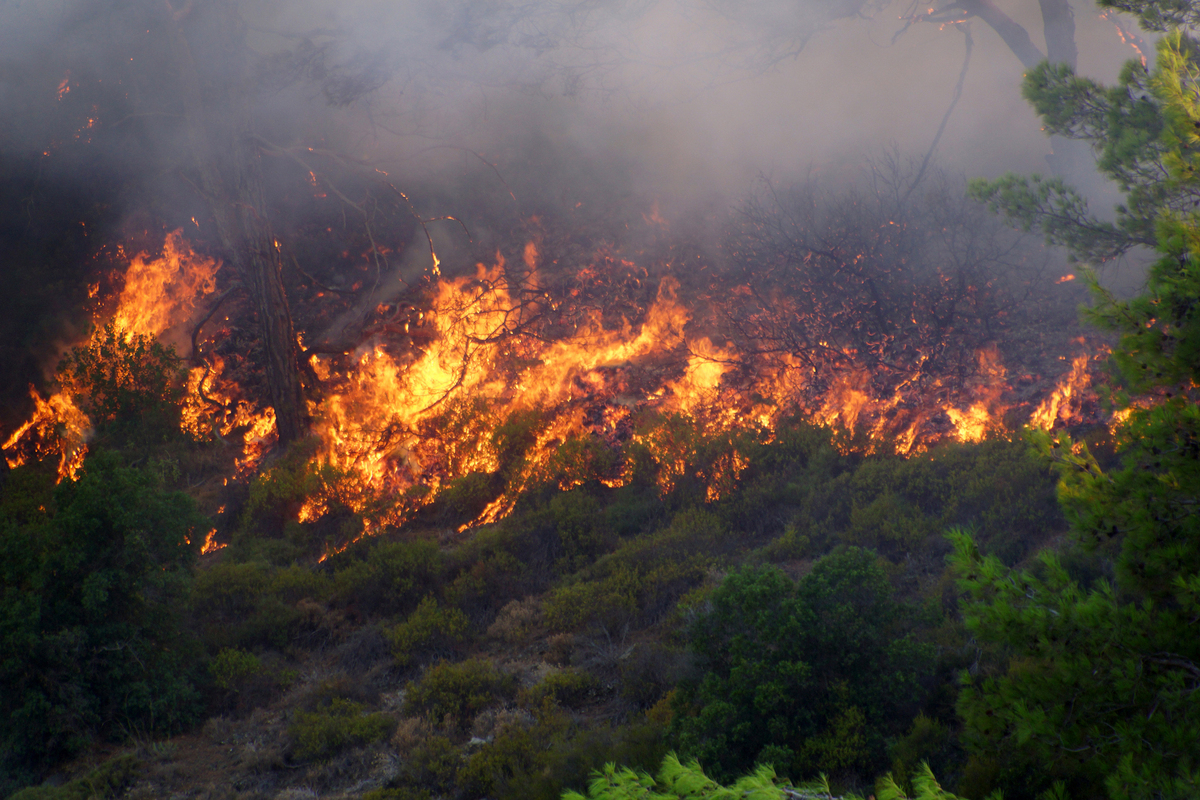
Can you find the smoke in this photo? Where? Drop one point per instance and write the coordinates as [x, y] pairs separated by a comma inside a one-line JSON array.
[[680, 100]]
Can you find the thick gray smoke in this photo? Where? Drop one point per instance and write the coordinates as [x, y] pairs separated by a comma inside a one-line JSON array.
[[686, 101]]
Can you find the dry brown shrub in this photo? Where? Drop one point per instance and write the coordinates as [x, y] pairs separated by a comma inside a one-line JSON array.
[[493, 720], [218, 730], [409, 733], [559, 649], [516, 621]]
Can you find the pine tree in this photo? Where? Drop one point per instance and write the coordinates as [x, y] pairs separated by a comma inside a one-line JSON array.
[[1103, 671]]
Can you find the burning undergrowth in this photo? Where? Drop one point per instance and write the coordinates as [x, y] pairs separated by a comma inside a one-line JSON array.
[[900, 317]]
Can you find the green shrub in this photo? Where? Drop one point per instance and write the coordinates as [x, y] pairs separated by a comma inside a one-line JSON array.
[[568, 687], [578, 461], [634, 590], [514, 754], [277, 494], [928, 741], [649, 672], [109, 780], [490, 575], [676, 781], [326, 732], [296, 582], [464, 498], [126, 380], [228, 592], [388, 577], [236, 609], [574, 527], [901, 505], [399, 793], [92, 640], [433, 764], [610, 602], [808, 676], [458, 691], [430, 630], [232, 668]]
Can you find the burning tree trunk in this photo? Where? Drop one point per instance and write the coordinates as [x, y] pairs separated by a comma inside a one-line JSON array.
[[232, 185]]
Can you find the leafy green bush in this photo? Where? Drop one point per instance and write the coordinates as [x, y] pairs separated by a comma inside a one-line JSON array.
[[901, 505], [458, 691], [432, 764], [326, 732], [125, 379], [232, 668], [808, 676], [277, 494], [235, 608], [430, 630], [388, 577], [677, 781], [296, 582], [515, 754], [106, 782], [644, 577], [91, 636]]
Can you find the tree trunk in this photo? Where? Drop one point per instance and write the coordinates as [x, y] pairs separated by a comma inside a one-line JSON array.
[[233, 188], [1058, 23], [1015, 36]]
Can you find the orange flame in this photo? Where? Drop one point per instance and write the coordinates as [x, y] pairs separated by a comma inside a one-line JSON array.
[[1061, 405], [159, 295]]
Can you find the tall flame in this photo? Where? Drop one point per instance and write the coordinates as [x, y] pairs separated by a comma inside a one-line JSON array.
[[158, 295]]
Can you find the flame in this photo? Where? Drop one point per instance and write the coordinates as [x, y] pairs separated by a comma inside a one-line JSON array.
[[162, 292], [64, 86], [211, 546], [57, 426], [409, 425], [1061, 406], [158, 296], [1126, 36], [423, 405]]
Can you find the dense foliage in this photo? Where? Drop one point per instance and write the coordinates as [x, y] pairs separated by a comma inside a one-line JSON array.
[[95, 575], [1099, 664], [805, 676]]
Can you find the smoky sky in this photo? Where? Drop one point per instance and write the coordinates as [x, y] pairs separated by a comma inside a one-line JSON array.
[[693, 99]]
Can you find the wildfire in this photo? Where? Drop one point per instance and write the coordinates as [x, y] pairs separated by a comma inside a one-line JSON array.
[[446, 390], [159, 295], [1063, 403], [211, 546], [57, 426], [163, 292]]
